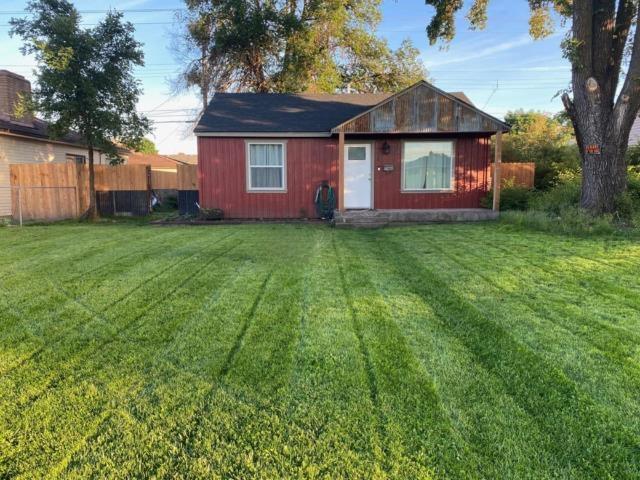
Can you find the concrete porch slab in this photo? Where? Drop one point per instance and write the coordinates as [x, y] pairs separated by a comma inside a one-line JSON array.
[[382, 218]]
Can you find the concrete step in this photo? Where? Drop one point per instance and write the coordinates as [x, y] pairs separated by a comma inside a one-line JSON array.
[[379, 218]]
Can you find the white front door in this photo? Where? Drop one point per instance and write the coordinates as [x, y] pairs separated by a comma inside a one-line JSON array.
[[357, 176]]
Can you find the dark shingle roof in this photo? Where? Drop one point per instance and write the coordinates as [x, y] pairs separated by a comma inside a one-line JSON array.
[[281, 112], [37, 129]]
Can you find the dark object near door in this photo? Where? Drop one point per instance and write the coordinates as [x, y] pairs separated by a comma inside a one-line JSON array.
[[325, 201]]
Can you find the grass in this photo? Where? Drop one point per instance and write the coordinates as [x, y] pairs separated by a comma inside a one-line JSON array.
[[283, 351]]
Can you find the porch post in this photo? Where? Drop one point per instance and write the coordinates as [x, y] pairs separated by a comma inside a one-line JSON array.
[[341, 170], [496, 172]]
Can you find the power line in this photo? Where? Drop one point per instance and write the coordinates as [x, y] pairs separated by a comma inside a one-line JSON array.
[[124, 10]]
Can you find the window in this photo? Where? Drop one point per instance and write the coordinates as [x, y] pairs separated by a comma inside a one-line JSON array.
[[266, 166], [356, 153], [427, 166], [77, 159]]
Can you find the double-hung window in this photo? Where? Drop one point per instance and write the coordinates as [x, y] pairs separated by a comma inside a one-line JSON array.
[[427, 166], [266, 166]]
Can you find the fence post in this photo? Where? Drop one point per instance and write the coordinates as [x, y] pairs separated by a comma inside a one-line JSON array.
[[20, 204]]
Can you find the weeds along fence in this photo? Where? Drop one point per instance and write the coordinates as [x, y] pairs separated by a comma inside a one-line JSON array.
[[57, 191], [515, 174]]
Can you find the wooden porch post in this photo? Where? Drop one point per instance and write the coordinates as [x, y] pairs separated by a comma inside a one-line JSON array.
[[496, 172], [341, 170]]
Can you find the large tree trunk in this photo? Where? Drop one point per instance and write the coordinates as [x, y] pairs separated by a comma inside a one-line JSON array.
[[92, 212], [602, 120], [603, 146]]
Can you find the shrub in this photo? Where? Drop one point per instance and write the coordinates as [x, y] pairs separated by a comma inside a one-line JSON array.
[[571, 220], [511, 198]]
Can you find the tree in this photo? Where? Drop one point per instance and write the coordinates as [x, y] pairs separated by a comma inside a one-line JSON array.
[[535, 137], [292, 46], [547, 140], [604, 99], [84, 78], [145, 146]]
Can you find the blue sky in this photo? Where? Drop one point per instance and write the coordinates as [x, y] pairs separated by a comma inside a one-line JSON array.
[[500, 68]]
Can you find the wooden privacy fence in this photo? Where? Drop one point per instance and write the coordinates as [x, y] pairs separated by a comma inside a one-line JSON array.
[[164, 180], [55, 191], [516, 174], [188, 194], [45, 192]]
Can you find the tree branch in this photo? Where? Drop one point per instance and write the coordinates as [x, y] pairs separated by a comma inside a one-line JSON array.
[[624, 19], [628, 102]]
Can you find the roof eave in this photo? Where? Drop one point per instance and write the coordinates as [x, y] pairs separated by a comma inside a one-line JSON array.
[[262, 134]]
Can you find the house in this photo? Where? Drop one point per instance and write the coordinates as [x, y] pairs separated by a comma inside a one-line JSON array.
[[634, 135], [25, 140], [161, 163], [264, 155]]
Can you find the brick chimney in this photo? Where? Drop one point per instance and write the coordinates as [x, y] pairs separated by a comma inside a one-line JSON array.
[[11, 86]]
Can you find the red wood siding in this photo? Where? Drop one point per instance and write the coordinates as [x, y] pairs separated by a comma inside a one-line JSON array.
[[471, 169], [222, 175]]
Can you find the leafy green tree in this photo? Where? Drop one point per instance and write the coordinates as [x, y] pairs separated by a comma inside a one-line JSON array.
[[535, 137], [145, 146], [604, 99], [547, 140], [292, 46], [85, 79]]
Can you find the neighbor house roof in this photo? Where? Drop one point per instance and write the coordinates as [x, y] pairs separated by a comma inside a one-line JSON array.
[[38, 130], [154, 160]]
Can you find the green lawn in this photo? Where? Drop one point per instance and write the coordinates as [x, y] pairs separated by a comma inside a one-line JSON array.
[[283, 351]]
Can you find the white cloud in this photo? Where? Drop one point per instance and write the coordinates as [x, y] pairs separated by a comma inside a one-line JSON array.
[[484, 52]]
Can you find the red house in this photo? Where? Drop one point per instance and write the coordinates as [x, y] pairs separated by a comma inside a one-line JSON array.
[[264, 155]]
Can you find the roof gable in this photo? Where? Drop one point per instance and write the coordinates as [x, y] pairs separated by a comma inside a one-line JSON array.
[[422, 108]]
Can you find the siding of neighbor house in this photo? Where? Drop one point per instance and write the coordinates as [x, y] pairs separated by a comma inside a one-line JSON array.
[[222, 175], [21, 150]]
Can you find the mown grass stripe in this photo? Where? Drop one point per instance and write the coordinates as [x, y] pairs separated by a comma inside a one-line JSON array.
[[469, 393], [603, 365], [93, 314], [109, 338], [181, 285], [560, 408], [421, 438]]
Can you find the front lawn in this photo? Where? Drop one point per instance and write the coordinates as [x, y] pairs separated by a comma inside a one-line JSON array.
[[283, 351]]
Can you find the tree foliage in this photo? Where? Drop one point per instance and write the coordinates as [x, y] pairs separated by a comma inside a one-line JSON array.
[[291, 46], [84, 78], [547, 140], [535, 137], [145, 146], [604, 99]]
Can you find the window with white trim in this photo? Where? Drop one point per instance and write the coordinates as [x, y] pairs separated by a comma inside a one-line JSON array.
[[427, 166], [266, 166]]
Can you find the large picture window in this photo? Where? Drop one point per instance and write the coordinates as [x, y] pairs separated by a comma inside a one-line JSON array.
[[266, 166], [427, 166]]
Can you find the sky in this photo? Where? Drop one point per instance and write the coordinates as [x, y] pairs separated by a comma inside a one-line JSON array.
[[501, 68]]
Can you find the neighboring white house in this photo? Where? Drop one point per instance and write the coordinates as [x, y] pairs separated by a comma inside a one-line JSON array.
[[634, 136], [25, 140]]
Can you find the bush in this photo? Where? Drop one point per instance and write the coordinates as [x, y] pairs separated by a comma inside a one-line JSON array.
[[572, 220], [511, 198], [565, 195]]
